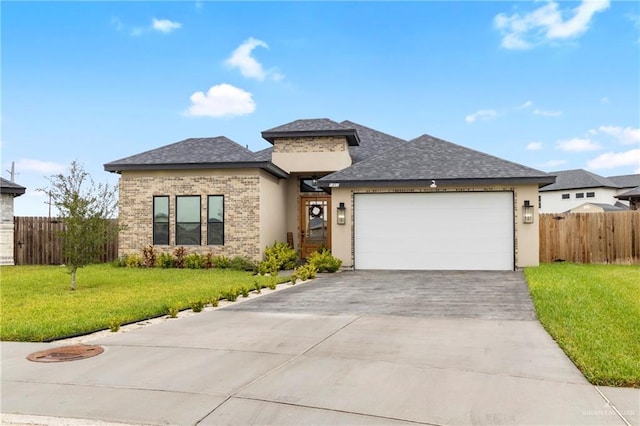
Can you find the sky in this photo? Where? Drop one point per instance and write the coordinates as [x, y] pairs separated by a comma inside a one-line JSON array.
[[551, 85]]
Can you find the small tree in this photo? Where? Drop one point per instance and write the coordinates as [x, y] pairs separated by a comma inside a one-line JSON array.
[[85, 209]]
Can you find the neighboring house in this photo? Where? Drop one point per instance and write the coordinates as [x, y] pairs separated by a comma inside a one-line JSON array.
[[632, 197], [574, 188], [375, 200], [596, 208], [8, 191]]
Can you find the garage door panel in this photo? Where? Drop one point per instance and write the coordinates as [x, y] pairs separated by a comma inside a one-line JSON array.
[[472, 231]]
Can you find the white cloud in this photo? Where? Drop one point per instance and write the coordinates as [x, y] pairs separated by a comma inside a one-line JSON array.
[[525, 105], [165, 25], [625, 135], [249, 67], [534, 146], [604, 100], [611, 160], [31, 165], [482, 114], [546, 23], [222, 100], [241, 58], [547, 113], [577, 145]]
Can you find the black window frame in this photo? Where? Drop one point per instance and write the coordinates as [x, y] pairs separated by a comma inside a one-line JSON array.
[[591, 195], [210, 222], [156, 223], [179, 238], [566, 196], [579, 195]]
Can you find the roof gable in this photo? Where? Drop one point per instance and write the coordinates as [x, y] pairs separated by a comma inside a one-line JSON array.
[[428, 158], [576, 179], [312, 127]]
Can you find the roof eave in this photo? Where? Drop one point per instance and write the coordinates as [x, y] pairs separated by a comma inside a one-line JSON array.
[[16, 192], [328, 183], [351, 134], [264, 165]]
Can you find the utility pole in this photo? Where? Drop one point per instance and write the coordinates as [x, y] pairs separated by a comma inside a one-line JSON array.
[[12, 172]]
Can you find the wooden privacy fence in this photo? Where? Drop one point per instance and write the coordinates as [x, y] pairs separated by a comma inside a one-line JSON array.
[[37, 241], [609, 237]]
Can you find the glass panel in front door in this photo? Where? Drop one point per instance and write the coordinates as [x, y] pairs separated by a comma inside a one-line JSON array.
[[316, 226]]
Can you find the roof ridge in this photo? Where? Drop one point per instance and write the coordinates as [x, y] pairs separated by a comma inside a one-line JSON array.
[[373, 130]]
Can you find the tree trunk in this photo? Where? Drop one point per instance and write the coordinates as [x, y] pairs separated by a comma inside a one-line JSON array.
[[73, 278]]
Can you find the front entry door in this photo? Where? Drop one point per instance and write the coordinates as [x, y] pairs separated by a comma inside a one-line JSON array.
[[315, 224]]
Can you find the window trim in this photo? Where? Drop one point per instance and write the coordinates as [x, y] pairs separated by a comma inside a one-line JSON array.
[[199, 223], [168, 222], [209, 222]]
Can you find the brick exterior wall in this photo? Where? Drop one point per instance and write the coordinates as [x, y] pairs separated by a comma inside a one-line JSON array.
[[241, 215], [310, 144]]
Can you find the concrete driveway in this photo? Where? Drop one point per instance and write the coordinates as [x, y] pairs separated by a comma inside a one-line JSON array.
[[439, 348]]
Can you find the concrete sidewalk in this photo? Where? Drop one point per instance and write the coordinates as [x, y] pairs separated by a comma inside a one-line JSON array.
[[227, 367]]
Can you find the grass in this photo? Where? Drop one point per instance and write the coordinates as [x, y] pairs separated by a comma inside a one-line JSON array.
[[37, 304], [593, 312]]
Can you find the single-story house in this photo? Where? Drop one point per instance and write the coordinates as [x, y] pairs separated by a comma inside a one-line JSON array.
[[573, 188], [375, 200], [8, 191]]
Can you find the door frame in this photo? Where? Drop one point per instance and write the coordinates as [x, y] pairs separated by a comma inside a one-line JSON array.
[[302, 216]]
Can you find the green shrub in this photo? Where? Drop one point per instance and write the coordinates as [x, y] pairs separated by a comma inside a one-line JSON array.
[[207, 260], [273, 283], [165, 260], [240, 263], [231, 295], [148, 257], [193, 261], [213, 300], [173, 311], [197, 305], [305, 272], [133, 260], [244, 291], [258, 286], [285, 256], [269, 266], [221, 261], [114, 325], [324, 261], [179, 254]]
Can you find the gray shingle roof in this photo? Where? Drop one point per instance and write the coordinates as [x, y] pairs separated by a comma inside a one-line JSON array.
[[8, 187], [265, 154], [372, 142], [218, 152], [632, 193], [428, 158], [626, 181], [312, 127], [576, 179], [603, 206]]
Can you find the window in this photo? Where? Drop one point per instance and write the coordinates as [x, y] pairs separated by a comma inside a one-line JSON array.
[[565, 196], [591, 194], [161, 220], [215, 220], [579, 194], [188, 220]]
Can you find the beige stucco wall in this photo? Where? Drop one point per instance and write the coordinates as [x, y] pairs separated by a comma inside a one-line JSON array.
[[310, 154], [526, 235], [273, 214], [6, 229], [241, 189]]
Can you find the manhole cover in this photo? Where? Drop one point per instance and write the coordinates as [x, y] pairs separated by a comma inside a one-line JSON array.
[[66, 353]]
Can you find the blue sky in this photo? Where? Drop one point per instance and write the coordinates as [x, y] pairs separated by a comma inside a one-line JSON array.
[[551, 85]]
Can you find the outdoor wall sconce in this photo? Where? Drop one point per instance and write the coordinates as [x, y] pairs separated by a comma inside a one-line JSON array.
[[527, 212], [314, 180], [342, 214]]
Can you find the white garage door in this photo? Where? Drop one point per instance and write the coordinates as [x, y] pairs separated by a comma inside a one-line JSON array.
[[461, 230]]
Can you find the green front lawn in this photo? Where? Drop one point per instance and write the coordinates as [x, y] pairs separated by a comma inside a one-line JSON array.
[[593, 312], [37, 304]]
